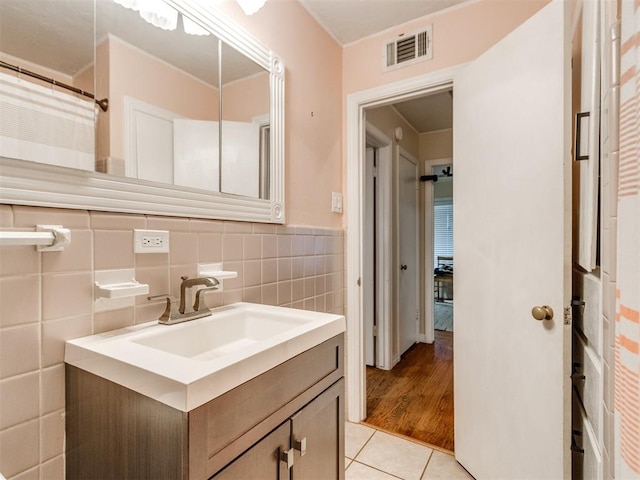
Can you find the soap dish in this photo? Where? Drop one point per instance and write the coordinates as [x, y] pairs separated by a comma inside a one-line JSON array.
[[121, 290]]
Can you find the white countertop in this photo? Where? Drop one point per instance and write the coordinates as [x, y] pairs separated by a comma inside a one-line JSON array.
[[178, 371]]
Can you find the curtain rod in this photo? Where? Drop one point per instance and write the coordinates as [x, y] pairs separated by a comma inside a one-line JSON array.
[[103, 104]]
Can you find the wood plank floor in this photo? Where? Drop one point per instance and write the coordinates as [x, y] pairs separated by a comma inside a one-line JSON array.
[[415, 398], [443, 316]]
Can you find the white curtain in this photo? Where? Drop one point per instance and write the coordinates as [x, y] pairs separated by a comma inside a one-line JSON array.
[[627, 348]]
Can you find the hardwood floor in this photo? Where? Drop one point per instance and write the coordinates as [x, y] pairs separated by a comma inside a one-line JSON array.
[[415, 398], [443, 316]]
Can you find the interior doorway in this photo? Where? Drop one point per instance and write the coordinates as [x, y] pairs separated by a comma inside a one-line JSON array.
[[411, 391], [442, 234]]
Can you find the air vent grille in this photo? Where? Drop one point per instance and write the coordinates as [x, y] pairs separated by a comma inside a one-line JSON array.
[[410, 48], [406, 49]]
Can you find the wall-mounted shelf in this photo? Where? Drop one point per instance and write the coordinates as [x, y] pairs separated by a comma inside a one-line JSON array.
[[116, 289], [121, 290], [215, 270], [46, 238]]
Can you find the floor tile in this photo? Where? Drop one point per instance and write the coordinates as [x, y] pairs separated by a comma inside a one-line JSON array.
[[442, 466], [394, 455], [347, 462], [356, 435], [358, 471]]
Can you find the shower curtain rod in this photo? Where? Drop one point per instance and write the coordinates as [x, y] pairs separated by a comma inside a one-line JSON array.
[[103, 104]]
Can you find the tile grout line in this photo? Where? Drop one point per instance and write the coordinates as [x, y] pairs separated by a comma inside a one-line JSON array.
[[376, 469], [363, 445], [424, 471]]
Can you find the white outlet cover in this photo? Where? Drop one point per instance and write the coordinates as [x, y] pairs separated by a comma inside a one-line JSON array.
[[150, 241]]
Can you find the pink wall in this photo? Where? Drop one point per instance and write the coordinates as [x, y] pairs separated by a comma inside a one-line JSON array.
[[139, 75], [313, 112], [319, 74], [246, 98], [460, 35]]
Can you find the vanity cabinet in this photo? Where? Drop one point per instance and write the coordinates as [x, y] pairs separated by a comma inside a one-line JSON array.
[[285, 423], [308, 445]]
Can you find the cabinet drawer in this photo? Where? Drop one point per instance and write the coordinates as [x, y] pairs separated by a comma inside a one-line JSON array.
[[223, 428]]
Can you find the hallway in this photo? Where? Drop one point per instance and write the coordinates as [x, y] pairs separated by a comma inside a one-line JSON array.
[[415, 398]]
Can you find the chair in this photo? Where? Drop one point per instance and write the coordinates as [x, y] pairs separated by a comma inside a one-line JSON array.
[[443, 278]]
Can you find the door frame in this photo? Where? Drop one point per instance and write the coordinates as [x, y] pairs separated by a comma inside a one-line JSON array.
[[356, 103], [429, 204], [384, 283]]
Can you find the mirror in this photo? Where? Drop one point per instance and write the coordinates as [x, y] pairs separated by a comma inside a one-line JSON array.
[[198, 112]]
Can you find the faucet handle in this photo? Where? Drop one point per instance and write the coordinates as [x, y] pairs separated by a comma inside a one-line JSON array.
[[169, 311]]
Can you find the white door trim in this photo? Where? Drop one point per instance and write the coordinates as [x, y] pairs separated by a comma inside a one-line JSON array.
[[375, 137], [355, 105], [429, 317]]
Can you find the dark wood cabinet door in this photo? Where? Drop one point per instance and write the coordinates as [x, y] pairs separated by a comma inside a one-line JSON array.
[[263, 460], [318, 437]]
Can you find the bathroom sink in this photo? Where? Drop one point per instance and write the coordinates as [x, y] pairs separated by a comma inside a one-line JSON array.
[[185, 365], [231, 330]]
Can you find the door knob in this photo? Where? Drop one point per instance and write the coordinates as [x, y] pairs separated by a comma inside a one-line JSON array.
[[403, 267], [545, 312]]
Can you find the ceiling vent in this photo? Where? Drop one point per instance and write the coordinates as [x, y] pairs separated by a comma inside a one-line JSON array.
[[408, 49]]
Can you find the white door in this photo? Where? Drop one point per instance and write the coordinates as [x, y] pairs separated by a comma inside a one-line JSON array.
[[512, 252], [154, 148], [197, 153], [407, 253]]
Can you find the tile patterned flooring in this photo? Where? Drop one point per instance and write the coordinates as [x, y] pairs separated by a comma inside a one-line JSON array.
[[375, 455]]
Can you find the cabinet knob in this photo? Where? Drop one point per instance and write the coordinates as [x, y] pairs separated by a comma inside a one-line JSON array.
[[301, 446], [286, 456]]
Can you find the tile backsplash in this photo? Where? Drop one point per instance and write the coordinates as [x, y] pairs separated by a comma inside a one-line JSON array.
[[47, 298]]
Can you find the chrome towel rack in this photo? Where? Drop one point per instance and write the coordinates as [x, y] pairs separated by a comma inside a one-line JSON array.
[[46, 238]]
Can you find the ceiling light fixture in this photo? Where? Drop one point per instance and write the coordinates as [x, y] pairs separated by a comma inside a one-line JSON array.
[[161, 15], [158, 14], [249, 7]]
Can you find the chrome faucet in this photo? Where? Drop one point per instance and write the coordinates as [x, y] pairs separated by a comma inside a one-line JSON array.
[[185, 312]]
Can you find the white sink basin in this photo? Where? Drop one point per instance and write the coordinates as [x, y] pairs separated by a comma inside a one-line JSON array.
[[187, 364], [229, 331]]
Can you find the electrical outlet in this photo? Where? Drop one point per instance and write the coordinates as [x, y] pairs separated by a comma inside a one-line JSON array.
[[150, 241], [336, 202]]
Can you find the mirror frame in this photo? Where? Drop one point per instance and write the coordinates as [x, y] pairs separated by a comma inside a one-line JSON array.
[[36, 184]]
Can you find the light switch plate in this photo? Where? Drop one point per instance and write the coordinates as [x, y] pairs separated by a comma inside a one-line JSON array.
[[336, 202], [150, 241]]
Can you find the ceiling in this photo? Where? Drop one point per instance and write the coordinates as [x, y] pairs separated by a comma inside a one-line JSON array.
[[428, 114], [59, 35], [68, 27], [351, 20]]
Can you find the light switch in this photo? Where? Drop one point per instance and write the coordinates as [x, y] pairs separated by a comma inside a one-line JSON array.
[[336, 202]]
